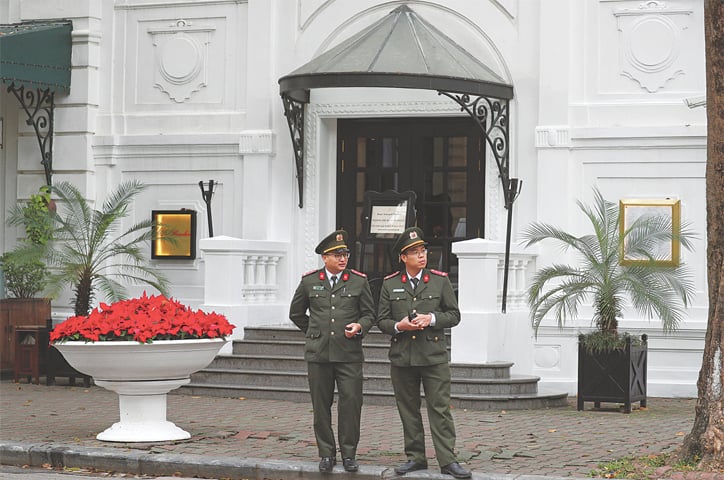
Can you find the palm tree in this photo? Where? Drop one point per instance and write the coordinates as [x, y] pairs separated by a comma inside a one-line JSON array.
[[652, 288], [90, 252]]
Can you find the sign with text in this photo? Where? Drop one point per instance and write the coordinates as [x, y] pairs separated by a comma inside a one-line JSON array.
[[388, 218]]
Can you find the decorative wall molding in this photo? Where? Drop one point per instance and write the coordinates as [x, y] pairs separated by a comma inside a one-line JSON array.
[[175, 4], [181, 58], [553, 136], [650, 43], [256, 142]]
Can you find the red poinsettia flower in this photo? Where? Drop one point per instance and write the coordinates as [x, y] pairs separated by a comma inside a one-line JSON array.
[[143, 319]]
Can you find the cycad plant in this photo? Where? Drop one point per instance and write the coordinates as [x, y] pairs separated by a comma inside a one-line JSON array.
[[653, 288], [90, 251]]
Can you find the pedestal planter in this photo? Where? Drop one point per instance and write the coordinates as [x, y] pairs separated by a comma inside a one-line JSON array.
[[141, 374], [618, 376]]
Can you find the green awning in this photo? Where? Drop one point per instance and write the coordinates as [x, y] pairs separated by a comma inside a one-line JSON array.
[[36, 55]]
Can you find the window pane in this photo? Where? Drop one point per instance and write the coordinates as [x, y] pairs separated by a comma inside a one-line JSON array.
[[389, 152], [457, 151], [459, 218], [456, 186], [361, 152], [437, 187], [437, 151], [389, 181], [361, 186]]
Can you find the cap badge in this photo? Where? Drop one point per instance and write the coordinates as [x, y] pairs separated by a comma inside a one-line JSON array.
[[413, 234], [339, 237]]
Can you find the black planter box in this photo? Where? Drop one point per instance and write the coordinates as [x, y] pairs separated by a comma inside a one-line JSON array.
[[618, 376]]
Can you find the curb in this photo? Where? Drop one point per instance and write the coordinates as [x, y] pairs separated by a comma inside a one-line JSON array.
[[142, 463]]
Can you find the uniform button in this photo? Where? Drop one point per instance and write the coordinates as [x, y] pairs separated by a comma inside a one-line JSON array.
[[333, 295], [333, 320], [414, 299], [332, 307], [414, 337], [331, 333], [436, 339]]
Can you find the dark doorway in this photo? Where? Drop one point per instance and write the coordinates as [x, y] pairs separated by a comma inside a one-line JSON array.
[[440, 159]]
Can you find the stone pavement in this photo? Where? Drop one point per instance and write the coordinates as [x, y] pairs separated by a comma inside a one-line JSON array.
[[61, 422]]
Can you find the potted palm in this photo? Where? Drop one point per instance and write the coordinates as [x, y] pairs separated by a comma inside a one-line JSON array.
[[612, 366], [92, 252], [25, 273]]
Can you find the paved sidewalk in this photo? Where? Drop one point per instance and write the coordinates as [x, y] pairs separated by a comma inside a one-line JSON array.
[[556, 442]]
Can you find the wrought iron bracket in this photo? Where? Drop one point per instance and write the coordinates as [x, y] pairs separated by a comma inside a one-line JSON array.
[[39, 106], [492, 116], [294, 111]]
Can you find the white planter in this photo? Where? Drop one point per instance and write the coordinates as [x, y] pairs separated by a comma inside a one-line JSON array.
[[141, 374]]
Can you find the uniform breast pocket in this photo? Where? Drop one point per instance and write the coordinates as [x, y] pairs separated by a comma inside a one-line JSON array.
[[349, 299], [427, 302], [318, 297]]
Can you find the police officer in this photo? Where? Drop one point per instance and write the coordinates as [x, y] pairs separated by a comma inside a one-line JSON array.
[[333, 306], [416, 306]]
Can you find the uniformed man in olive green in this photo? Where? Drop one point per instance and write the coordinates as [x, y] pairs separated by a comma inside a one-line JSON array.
[[333, 306], [416, 306]]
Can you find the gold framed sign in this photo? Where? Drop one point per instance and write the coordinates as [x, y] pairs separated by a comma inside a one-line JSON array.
[[180, 226], [669, 210]]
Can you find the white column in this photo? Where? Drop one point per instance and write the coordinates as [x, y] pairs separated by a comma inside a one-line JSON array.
[[485, 335]]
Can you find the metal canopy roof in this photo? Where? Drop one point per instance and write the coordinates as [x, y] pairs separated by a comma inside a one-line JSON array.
[[36, 55], [401, 50]]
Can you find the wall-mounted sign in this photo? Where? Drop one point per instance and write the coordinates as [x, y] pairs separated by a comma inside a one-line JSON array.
[[174, 235]]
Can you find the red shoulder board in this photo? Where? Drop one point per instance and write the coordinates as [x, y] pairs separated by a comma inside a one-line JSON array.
[[308, 273], [438, 272], [358, 273], [392, 275]]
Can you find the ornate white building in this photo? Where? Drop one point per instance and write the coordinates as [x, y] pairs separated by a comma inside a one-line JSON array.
[[174, 92]]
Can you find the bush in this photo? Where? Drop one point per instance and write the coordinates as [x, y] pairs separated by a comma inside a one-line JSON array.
[[25, 272]]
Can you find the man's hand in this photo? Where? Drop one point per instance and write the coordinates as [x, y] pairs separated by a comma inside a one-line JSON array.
[[422, 320], [351, 329], [406, 325]]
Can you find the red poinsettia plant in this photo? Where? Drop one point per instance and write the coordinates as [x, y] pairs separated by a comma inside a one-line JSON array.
[[144, 320]]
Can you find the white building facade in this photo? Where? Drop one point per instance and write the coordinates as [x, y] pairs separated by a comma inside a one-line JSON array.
[[173, 92]]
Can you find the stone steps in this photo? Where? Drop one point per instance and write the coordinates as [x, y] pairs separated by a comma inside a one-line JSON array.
[[269, 364]]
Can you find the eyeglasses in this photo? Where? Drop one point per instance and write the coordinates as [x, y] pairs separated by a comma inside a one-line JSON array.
[[416, 253], [338, 256]]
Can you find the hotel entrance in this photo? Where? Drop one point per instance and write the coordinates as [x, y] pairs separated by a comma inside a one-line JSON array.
[[440, 159]]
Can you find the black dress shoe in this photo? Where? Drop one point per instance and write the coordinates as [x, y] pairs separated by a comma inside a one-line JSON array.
[[410, 466], [326, 464], [350, 464], [455, 470]]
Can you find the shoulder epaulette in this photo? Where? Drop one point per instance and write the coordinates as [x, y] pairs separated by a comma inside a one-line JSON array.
[[358, 273], [309, 273], [391, 275], [438, 272]]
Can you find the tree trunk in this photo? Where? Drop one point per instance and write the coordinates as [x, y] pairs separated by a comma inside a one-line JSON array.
[[707, 435]]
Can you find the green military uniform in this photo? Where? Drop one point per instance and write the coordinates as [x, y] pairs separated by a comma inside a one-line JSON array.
[[421, 357], [331, 356]]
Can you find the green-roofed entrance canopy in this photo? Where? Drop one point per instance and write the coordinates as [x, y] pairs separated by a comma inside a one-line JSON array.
[[35, 64], [403, 50], [36, 55]]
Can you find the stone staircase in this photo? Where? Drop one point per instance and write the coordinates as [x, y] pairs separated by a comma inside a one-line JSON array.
[[269, 364]]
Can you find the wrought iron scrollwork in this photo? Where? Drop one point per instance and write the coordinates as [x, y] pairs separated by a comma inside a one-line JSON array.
[[39, 106], [294, 111], [492, 116]]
